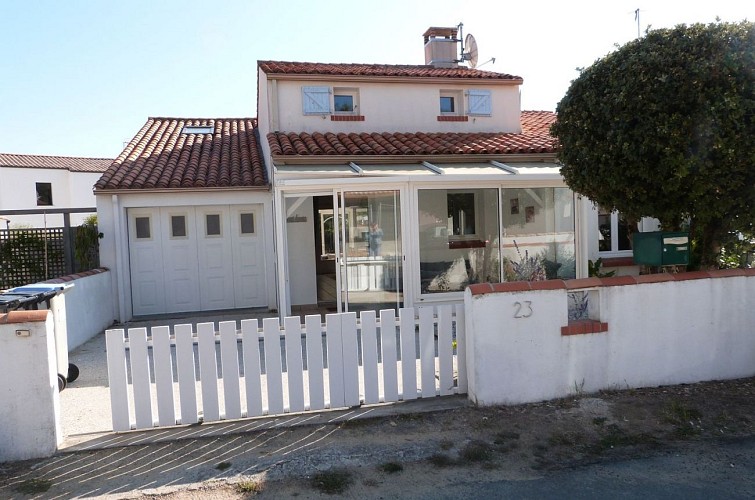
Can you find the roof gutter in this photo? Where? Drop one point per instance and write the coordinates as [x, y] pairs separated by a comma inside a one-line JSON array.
[[398, 159], [395, 79], [266, 187]]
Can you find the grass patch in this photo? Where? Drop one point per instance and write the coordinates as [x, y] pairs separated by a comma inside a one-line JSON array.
[[34, 486], [249, 486], [506, 441], [476, 451], [332, 481], [686, 420], [391, 467], [441, 460], [617, 438], [223, 466], [677, 413]]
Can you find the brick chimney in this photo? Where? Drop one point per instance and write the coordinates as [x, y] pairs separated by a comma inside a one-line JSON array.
[[440, 47]]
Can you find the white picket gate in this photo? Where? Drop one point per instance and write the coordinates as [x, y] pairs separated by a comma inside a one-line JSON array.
[[162, 378]]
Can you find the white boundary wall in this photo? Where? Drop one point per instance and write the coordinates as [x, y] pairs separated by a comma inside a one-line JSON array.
[[89, 306], [660, 330], [30, 409]]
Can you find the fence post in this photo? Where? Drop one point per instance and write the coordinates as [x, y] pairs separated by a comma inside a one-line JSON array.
[[30, 411], [68, 243]]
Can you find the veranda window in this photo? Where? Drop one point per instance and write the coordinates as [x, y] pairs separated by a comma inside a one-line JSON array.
[[458, 243]]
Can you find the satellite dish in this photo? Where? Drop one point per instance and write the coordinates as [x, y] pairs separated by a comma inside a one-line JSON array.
[[471, 54]]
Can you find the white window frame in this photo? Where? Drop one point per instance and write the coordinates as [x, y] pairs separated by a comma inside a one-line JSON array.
[[457, 96], [614, 251], [343, 91]]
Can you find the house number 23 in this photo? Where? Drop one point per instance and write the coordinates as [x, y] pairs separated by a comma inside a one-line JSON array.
[[523, 309]]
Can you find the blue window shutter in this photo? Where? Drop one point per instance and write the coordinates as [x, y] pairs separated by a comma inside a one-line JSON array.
[[480, 102], [315, 100]]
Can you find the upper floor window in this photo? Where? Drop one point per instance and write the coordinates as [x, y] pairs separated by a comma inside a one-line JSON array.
[[450, 102], [324, 100], [614, 231], [447, 104], [457, 105], [345, 101], [44, 194]]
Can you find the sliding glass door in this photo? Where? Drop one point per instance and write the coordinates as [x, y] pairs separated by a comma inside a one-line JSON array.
[[371, 256]]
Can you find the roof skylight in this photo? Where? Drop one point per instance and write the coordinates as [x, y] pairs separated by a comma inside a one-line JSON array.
[[198, 129]]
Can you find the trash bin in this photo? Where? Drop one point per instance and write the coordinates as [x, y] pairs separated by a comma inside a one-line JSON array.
[[30, 297]]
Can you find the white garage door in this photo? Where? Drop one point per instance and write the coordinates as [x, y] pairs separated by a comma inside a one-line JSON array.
[[196, 258]]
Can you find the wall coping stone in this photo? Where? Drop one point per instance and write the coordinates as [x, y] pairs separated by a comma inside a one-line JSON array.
[[575, 284], [31, 316], [73, 277]]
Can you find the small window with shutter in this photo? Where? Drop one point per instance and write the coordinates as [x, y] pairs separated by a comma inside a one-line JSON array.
[[315, 100], [480, 102]]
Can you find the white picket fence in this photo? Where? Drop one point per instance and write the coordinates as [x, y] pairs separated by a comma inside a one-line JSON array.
[[163, 378]]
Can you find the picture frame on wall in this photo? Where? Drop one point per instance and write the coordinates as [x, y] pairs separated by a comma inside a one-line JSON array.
[[514, 206]]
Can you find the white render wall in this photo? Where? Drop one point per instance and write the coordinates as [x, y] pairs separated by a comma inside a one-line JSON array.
[[89, 307], [30, 409], [69, 190], [677, 330], [387, 107]]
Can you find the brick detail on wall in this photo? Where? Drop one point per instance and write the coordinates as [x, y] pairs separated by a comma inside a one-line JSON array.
[[582, 326], [452, 118], [347, 118]]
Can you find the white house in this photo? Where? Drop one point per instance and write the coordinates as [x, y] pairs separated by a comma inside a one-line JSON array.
[[36, 182], [359, 186]]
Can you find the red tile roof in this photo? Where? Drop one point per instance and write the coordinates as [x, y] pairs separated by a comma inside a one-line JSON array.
[[161, 157], [386, 70], [535, 138], [537, 122], [70, 163]]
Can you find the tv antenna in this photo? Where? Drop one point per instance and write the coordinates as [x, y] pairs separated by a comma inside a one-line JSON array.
[[469, 52]]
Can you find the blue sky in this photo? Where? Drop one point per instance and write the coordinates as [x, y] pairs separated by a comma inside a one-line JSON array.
[[81, 77]]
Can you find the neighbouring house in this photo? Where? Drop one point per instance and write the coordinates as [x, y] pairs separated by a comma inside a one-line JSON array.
[[37, 182], [358, 186]]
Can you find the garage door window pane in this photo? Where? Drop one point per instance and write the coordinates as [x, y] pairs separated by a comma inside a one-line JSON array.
[[212, 224], [247, 223], [178, 226], [142, 228]]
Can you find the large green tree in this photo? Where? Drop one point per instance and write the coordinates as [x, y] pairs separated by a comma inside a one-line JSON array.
[[664, 127]]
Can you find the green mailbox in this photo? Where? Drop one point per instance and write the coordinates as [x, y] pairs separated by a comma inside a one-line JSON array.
[[661, 248]]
